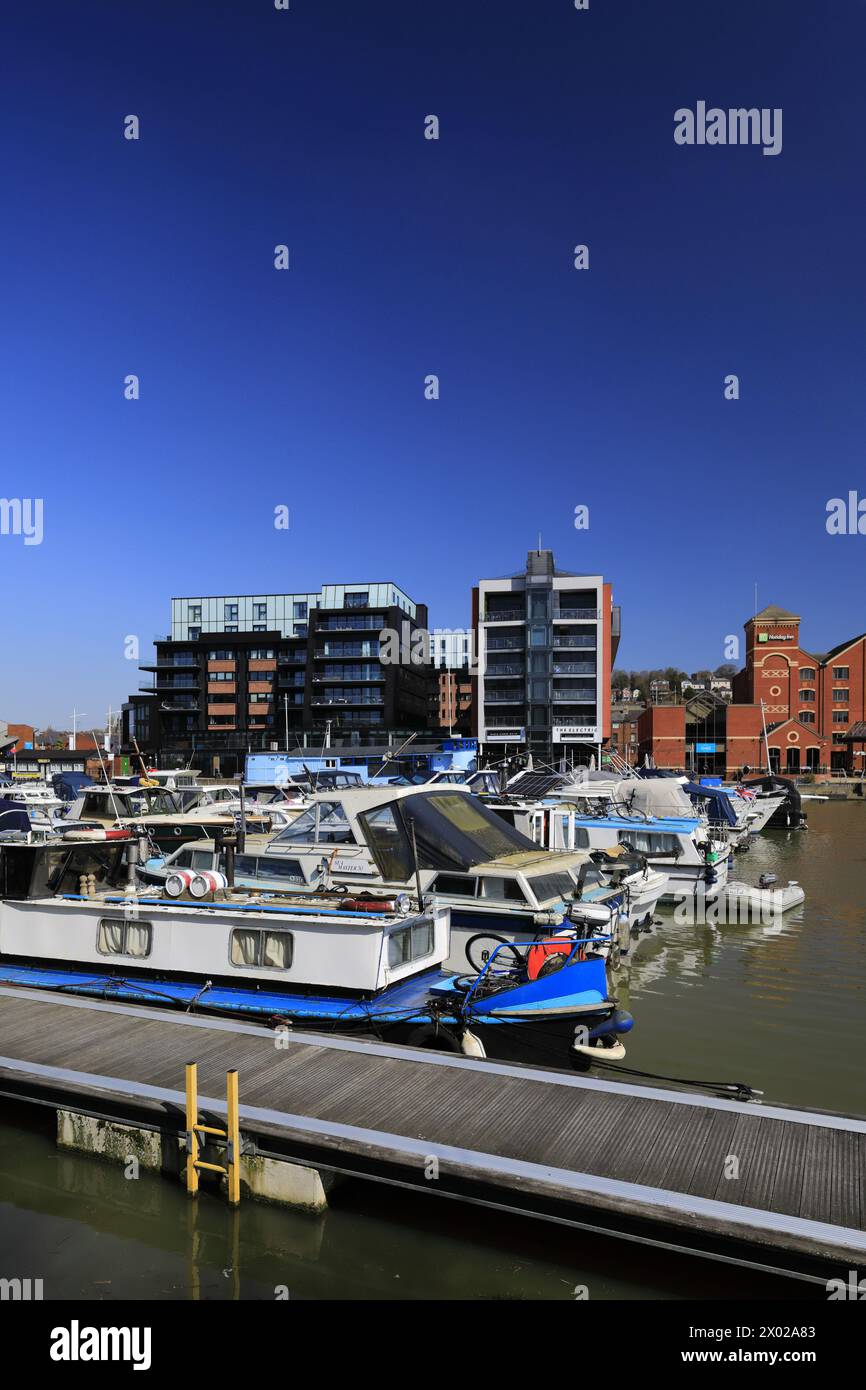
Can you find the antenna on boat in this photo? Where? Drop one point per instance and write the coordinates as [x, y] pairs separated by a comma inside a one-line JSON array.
[[418, 889], [108, 785], [391, 756]]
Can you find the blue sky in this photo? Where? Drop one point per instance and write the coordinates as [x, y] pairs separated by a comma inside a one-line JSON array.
[[409, 257]]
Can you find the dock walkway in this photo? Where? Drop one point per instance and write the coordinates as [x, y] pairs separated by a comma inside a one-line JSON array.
[[640, 1162]]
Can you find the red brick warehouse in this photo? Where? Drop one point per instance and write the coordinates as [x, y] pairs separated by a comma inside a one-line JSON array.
[[814, 707]]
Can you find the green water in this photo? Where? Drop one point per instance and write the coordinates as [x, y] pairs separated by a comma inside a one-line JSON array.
[[782, 1007]]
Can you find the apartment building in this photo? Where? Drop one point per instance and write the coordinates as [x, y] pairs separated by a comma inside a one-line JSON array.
[[546, 641], [241, 673]]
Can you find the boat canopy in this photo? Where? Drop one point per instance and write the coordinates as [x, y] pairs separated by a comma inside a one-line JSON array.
[[663, 797], [67, 785], [720, 811], [13, 816]]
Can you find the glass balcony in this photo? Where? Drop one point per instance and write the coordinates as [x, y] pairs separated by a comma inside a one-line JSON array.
[[578, 695], [501, 697], [573, 668], [505, 669], [572, 614], [504, 615]]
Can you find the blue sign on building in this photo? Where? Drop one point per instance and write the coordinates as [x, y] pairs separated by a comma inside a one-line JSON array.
[[706, 748]]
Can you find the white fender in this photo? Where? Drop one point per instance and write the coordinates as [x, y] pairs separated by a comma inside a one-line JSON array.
[[472, 1046], [598, 1052]]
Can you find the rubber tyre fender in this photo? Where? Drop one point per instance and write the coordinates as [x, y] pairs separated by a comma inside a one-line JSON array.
[[437, 1039]]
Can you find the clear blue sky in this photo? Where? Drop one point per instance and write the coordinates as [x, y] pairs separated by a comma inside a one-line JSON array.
[[410, 257]]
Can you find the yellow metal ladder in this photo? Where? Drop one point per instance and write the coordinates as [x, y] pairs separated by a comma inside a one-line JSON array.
[[230, 1134]]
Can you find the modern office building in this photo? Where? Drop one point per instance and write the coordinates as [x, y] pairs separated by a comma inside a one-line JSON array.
[[546, 642], [241, 673]]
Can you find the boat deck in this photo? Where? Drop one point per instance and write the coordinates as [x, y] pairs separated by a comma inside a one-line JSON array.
[[641, 1162]]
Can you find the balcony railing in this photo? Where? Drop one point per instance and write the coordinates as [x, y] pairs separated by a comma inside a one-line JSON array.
[[577, 696], [581, 639], [318, 700], [569, 614], [505, 644], [509, 668], [501, 697], [573, 668], [504, 615], [500, 721]]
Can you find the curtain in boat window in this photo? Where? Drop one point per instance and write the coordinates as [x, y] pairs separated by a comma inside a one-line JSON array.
[[117, 937], [254, 946], [244, 947], [109, 939], [137, 942], [277, 949]]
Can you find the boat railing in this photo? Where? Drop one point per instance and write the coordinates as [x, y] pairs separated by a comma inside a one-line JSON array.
[[513, 948]]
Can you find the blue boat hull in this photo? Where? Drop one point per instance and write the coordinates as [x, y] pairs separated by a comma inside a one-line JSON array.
[[425, 1011]]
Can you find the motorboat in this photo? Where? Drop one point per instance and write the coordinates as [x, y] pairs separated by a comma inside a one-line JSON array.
[[440, 842], [74, 916]]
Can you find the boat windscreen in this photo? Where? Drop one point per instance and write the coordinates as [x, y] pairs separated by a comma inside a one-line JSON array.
[[454, 830]]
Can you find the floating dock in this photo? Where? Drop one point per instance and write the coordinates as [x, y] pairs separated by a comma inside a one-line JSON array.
[[766, 1186]]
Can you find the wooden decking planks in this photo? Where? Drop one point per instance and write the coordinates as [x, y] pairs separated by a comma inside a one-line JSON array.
[[663, 1155]]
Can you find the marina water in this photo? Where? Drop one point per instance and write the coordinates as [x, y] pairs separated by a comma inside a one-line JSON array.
[[780, 1006]]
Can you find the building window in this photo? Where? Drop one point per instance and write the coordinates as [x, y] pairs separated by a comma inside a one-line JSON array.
[[840, 716], [193, 613], [807, 695], [253, 946], [807, 673], [299, 611], [261, 654], [195, 633], [260, 627], [807, 716], [221, 654], [230, 628], [840, 673], [230, 612], [840, 697], [300, 630], [260, 612], [357, 600]]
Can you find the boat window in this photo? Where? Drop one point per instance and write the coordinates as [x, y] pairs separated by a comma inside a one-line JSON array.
[[456, 885], [333, 826], [272, 867], [201, 859], [246, 864], [502, 889], [389, 843], [551, 886], [581, 835], [645, 842], [410, 943], [115, 936], [255, 946]]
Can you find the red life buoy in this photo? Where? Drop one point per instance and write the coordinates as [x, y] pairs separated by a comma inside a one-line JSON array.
[[544, 951]]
